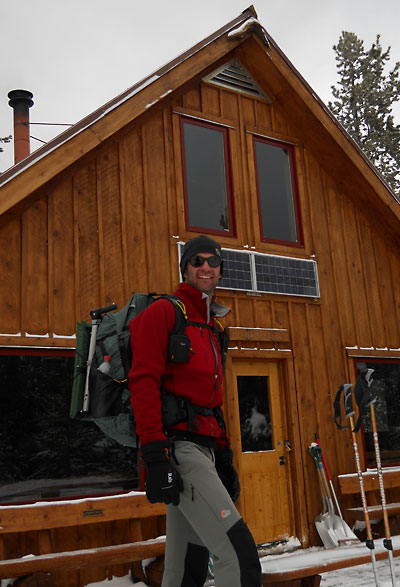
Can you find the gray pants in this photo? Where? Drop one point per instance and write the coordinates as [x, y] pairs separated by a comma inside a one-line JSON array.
[[206, 520]]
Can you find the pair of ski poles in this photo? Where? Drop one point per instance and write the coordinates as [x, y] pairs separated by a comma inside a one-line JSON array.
[[365, 399]]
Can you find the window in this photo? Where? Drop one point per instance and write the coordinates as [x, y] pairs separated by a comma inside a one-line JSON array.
[[277, 192], [44, 453], [386, 388], [206, 175], [254, 410]]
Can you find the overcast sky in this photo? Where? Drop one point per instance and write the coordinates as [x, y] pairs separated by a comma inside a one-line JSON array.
[[76, 55]]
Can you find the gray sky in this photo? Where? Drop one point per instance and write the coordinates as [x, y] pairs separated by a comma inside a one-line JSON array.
[[74, 56]]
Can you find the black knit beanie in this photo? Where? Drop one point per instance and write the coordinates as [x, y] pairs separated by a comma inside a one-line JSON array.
[[199, 244]]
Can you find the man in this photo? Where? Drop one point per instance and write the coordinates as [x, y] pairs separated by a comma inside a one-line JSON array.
[[182, 432]]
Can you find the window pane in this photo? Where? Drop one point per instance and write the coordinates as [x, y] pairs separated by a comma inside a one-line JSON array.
[[43, 452], [255, 418], [386, 389], [206, 177], [275, 192]]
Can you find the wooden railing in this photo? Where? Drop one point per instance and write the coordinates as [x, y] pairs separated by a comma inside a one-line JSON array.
[[349, 484], [44, 517]]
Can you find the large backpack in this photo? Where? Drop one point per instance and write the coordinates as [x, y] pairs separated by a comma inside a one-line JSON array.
[[109, 403]]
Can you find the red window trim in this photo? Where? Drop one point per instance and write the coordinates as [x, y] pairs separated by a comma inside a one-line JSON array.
[[228, 177], [32, 351], [295, 192]]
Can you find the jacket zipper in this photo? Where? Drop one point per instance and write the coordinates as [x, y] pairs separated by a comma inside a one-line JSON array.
[[216, 363]]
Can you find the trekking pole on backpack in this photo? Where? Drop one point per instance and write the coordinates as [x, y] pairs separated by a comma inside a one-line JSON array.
[[97, 316], [348, 406], [363, 386]]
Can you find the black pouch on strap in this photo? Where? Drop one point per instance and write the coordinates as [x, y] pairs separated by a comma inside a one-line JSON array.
[[179, 348]]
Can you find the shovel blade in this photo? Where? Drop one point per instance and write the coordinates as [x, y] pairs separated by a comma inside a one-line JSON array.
[[343, 532], [326, 531], [333, 531]]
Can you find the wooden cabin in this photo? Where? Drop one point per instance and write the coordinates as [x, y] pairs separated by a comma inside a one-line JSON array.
[[226, 140]]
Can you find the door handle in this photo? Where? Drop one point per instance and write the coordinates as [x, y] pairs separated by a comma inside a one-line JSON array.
[[287, 445]]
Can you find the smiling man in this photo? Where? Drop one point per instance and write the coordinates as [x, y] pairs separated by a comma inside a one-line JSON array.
[[204, 272], [176, 393]]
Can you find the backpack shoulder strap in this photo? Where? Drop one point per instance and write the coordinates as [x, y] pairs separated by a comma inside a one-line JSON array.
[[122, 317], [181, 318], [181, 321], [223, 337]]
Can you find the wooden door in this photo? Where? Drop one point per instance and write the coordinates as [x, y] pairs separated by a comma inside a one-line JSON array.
[[259, 440]]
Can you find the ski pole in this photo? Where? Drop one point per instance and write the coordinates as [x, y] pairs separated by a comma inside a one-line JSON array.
[[370, 401], [348, 406]]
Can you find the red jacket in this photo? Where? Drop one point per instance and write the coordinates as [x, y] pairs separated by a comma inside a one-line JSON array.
[[199, 379]]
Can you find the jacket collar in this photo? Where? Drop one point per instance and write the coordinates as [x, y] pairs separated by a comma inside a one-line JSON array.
[[201, 302]]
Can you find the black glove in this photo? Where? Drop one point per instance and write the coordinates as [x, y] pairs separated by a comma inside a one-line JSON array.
[[227, 472], [163, 482]]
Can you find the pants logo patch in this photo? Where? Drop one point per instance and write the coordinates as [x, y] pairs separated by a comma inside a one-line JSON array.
[[225, 513]]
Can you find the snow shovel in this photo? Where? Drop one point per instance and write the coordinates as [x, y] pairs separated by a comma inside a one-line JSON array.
[[346, 528], [330, 527]]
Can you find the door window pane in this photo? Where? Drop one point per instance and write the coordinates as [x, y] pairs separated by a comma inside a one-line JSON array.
[[386, 388], [276, 195], [206, 177], [254, 411]]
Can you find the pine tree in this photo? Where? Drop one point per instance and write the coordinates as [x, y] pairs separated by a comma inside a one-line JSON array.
[[363, 100]]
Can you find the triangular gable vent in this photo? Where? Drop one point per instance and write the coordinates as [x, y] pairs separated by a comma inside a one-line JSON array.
[[234, 76]]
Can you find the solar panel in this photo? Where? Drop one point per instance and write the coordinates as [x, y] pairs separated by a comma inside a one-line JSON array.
[[286, 275], [262, 273], [236, 271]]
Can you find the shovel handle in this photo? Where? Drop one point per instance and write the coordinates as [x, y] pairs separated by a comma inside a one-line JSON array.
[[323, 460]]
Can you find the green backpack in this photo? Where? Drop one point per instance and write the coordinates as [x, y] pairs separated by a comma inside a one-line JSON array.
[[108, 402], [105, 398]]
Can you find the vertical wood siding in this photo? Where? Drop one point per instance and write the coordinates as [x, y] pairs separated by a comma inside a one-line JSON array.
[[10, 276], [109, 226], [35, 269], [61, 260]]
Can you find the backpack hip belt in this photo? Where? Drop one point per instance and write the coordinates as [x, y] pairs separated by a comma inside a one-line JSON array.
[[177, 409]]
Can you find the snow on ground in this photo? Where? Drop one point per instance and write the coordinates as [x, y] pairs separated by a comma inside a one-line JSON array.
[[360, 576]]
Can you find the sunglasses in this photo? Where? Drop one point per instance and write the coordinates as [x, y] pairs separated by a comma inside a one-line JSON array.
[[198, 261]]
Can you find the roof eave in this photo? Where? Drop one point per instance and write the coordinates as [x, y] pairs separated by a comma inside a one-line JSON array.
[[110, 106], [153, 88]]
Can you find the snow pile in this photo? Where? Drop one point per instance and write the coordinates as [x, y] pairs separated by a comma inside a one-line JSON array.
[[361, 576], [286, 555]]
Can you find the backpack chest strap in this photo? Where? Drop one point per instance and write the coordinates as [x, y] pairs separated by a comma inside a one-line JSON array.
[[203, 325]]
